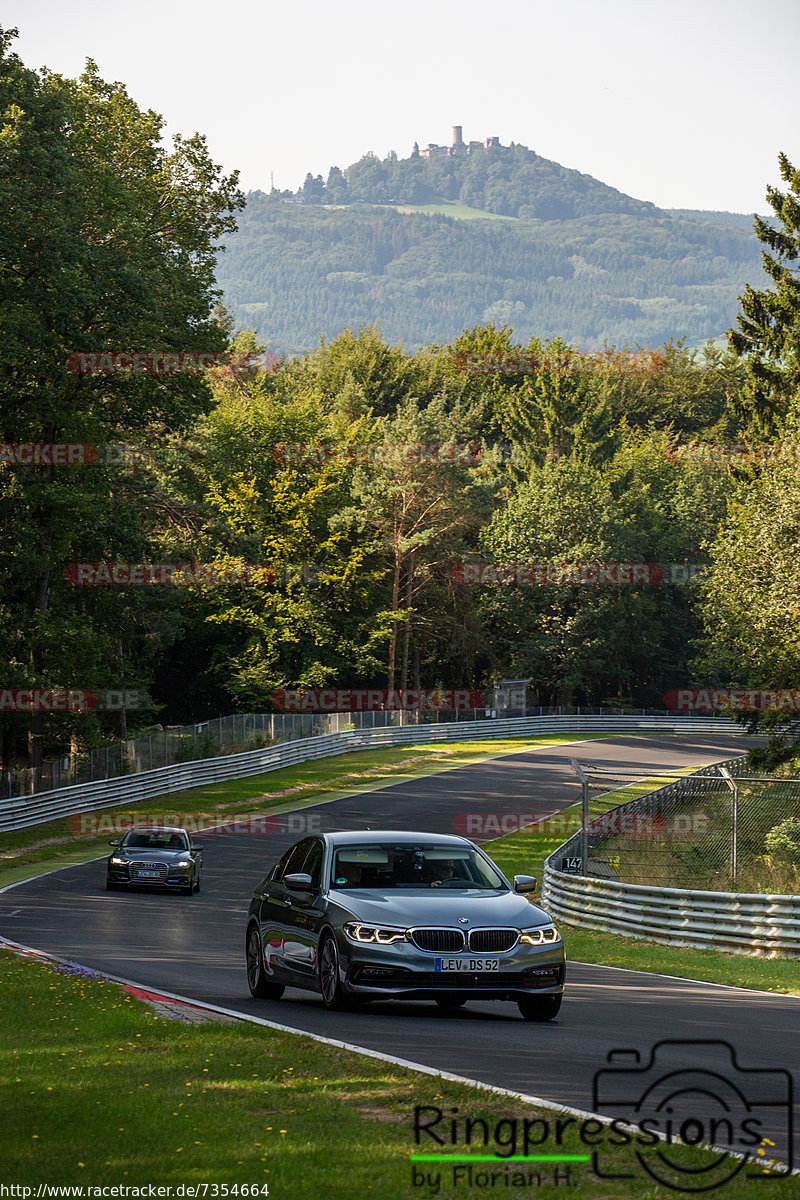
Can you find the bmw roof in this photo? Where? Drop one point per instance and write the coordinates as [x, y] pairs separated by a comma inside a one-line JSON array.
[[393, 835]]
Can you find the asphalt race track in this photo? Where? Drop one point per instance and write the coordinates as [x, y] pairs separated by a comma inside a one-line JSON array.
[[194, 945]]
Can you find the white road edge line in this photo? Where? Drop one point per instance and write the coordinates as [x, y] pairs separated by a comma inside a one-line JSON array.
[[311, 802], [408, 1064], [732, 987]]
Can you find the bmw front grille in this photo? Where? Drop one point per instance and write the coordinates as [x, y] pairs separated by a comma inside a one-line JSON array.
[[482, 941], [440, 941], [451, 941]]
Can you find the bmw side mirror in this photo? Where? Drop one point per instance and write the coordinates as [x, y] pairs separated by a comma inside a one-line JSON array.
[[113, 843], [195, 848], [524, 883], [298, 882]]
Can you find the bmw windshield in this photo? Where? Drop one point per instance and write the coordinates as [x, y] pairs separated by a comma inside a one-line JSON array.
[[421, 866]]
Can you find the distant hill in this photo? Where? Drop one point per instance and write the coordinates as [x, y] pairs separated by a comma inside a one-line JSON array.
[[416, 245], [713, 217]]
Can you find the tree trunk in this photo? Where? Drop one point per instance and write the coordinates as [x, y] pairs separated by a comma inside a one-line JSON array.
[[35, 735], [395, 606], [41, 598], [121, 715], [407, 630]]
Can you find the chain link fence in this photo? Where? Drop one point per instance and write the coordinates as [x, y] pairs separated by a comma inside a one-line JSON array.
[[723, 828], [163, 746]]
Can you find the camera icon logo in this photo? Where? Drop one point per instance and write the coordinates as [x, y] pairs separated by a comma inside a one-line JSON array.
[[694, 1093]]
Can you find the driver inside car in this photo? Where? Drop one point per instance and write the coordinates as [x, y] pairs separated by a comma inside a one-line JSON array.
[[440, 872]]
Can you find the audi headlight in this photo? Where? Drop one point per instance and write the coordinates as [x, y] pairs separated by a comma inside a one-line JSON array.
[[116, 861], [381, 935], [544, 935]]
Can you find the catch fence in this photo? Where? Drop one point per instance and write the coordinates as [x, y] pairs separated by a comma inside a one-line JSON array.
[[163, 746], [25, 811], [710, 860]]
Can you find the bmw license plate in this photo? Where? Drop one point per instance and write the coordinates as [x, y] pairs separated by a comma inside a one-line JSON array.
[[467, 964], [148, 874]]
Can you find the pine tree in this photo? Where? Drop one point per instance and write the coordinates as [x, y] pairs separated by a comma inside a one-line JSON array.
[[768, 337]]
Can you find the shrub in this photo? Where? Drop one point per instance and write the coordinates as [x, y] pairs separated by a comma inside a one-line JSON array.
[[205, 745], [782, 843]]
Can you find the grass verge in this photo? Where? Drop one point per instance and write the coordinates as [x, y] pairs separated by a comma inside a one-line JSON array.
[[57, 843], [524, 853], [105, 1092], [25, 851]]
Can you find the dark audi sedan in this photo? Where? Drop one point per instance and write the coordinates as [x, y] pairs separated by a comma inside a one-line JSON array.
[[162, 857], [412, 916]]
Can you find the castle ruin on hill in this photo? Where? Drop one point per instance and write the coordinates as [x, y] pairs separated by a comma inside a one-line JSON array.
[[457, 147]]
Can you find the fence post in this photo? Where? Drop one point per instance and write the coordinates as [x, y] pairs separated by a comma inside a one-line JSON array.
[[731, 782], [578, 769]]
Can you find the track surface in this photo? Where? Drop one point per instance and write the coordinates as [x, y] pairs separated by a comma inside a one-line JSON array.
[[194, 946]]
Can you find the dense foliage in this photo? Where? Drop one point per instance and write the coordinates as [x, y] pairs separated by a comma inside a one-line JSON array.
[[295, 272], [510, 180], [108, 242]]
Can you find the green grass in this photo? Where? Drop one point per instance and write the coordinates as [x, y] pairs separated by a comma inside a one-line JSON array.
[[105, 1092], [461, 212], [55, 843], [524, 854]]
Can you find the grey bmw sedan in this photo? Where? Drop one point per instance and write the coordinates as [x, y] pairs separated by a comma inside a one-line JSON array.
[[414, 916]]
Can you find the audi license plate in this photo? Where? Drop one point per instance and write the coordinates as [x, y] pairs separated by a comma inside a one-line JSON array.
[[148, 874], [467, 964]]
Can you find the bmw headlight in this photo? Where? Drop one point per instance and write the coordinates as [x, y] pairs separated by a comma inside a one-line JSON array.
[[544, 935], [381, 935]]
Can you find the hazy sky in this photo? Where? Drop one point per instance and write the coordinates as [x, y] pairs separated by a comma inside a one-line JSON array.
[[682, 102]]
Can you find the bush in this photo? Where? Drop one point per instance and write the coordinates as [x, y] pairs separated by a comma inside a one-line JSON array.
[[782, 843], [203, 746]]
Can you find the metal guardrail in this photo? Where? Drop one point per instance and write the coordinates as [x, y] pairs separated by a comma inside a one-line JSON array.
[[742, 923], [146, 785], [737, 922], [234, 734]]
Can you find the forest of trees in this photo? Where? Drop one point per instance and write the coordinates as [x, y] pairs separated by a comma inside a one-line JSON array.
[[563, 254], [295, 273], [576, 461], [512, 181]]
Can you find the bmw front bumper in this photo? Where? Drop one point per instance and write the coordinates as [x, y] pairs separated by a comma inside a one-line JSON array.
[[401, 969]]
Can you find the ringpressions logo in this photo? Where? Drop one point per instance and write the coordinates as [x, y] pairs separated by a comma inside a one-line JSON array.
[[735, 1121]]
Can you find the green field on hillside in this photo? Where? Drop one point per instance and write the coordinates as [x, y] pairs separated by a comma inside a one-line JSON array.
[[461, 212]]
